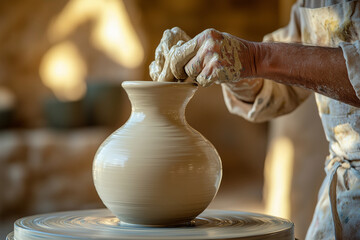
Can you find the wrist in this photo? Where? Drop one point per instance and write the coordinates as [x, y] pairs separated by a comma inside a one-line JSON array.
[[249, 67], [280, 61], [260, 57], [262, 51]]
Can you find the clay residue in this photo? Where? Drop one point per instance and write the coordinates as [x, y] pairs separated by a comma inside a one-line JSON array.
[[331, 25], [229, 61], [346, 136], [160, 68], [211, 56], [341, 30], [346, 31], [247, 89]]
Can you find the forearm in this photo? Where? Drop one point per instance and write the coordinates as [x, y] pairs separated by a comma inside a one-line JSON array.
[[320, 69]]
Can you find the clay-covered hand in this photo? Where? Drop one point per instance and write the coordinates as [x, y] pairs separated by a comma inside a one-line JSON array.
[[213, 56], [160, 68], [209, 57]]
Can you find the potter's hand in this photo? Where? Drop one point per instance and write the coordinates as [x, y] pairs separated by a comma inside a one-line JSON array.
[[213, 56], [160, 68], [210, 57]]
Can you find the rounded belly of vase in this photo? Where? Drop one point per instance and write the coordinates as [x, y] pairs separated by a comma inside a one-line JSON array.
[[156, 181]]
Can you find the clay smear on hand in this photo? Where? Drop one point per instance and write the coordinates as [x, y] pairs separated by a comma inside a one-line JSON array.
[[210, 57], [160, 69]]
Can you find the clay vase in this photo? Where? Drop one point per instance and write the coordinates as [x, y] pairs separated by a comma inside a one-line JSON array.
[[156, 169]]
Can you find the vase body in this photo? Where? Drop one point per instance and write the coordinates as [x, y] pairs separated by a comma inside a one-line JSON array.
[[156, 169]]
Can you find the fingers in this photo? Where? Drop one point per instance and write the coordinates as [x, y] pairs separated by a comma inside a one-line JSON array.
[[180, 34], [156, 66], [212, 72], [204, 68], [171, 37], [194, 67], [197, 58], [181, 56], [167, 73], [160, 68], [155, 70], [194, 53], [167, 41], [203, 56]]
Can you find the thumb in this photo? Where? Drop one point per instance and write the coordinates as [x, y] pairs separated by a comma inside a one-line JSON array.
[[182, 55]]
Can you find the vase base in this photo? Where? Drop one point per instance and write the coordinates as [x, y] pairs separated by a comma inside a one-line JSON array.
[[101, 224]]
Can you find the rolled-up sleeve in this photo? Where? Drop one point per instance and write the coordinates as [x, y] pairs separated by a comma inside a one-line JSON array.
[[351, 52], [274, 99]]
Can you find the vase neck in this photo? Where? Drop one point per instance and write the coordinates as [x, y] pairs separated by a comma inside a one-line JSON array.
[[160, 98]]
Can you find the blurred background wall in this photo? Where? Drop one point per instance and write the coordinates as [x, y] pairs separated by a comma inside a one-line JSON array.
[[61, 66]]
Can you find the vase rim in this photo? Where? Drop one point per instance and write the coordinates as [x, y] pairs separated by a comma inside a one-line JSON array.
[[141, 84]]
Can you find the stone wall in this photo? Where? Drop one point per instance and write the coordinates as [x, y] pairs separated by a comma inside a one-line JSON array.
[[45, 170]]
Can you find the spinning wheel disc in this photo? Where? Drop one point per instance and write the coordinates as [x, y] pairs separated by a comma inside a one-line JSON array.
[[101, 224]]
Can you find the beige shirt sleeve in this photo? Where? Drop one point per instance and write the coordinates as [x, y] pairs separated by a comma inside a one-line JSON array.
[[274, 99]]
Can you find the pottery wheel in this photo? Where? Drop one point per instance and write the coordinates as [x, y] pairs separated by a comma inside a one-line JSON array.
[[101, 224]]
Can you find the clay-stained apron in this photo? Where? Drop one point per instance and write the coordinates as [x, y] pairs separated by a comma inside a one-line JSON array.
[[339, 197]]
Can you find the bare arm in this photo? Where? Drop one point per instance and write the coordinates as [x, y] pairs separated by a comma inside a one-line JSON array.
[[320, 69]]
